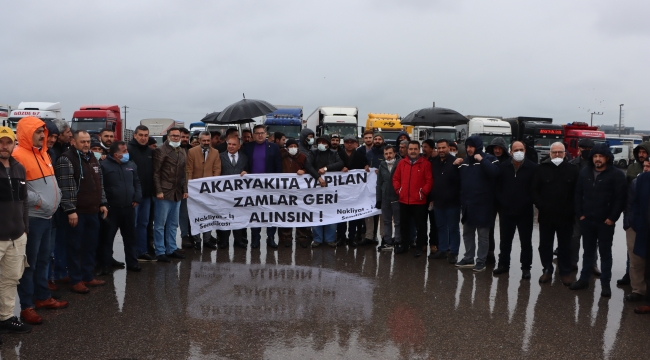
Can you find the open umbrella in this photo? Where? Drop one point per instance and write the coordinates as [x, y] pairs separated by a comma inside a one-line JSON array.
[[211, 117], [245, 109], [434, 116]]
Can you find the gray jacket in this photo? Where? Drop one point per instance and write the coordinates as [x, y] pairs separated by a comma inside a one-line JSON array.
[[385, 189], [226, 164]]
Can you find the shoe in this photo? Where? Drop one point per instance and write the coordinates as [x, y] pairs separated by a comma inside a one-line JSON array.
[[501, 270], [240, 244], [595, 271], [438, 255], [417, 253], [213, 240], [388, 247], [625, 280], [351, 243], [567, 280], [135, 268], [288, 243], [186, 243], [30, 316], [117, 264], [52, 285], [401, 249], [633, 297], [79, 288], [525, 275], [209, 245], [644, 309], [546, 277], [50, 304], [579, 285], [197, 245], [304, 244], [315, 244], [94, 283], [464, 263], [606, 291], [181, 251], [15, 326], [176, 255], [452, 258], [255, 244], [102, 271], [479, 267], [271, 243], [146, 258], [332, 244], [162, 258], [65, 280], [491, 259]]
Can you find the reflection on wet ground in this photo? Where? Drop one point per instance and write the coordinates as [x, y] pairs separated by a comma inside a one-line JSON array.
[[342, 303]]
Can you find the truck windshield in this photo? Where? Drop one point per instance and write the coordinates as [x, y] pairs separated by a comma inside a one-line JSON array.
[[437, 135], [291, 131], [546, 142], [340, 129], [86, 125], [487, 139]]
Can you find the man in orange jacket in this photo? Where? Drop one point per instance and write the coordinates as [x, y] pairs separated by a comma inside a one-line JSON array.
[[413, 180]]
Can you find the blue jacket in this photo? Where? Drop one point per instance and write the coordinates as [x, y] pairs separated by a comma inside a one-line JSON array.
[[375, 156], [273, 161], [477, 180], [641, 220], [121, 183]]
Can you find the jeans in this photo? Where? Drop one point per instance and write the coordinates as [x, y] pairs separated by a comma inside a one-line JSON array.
[[447, 221], [33, 284], [596, 235], [390, 215], [470, 243], [418, 213], [546, 239], [141, 221], [184, 219], [256, 234], [12, 264], [165, 226], [324, 232], [82, 247], [122, 218], [508, 224]]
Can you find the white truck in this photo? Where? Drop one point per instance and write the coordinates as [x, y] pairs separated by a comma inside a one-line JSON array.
[[41, 110], [487, 127], [158, 127], [4, 114], [623, 154], [327, 120]]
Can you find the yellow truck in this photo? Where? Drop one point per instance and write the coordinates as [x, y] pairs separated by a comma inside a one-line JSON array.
[[388, 125]]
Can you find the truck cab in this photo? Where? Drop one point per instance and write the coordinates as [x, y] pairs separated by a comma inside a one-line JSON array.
[[41, 110], [93, 118], [488, 128], [435, 133], [388, 125], [327, 120], [286, 119], [574, 132]]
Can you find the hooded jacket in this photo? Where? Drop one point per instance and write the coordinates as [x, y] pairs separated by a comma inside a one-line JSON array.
[[303, 147], [317, 159], [603, 197], [375, 156], [641, 219], [554, 192], [292, 163], [142, 156], [385, 190], [408, 137], [43, 194], [514, 186], [635, 169], [477, 181], [500, 142], [14, 211], [413, 181]]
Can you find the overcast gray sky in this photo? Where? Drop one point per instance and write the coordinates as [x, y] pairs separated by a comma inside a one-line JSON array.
[[178, 59]]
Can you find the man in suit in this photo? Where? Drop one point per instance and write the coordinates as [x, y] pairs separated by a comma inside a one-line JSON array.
[[203, 161], [263, 158], [232, 162]]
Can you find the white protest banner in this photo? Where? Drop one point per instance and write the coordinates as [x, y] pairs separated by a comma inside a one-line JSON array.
[[284, 200]]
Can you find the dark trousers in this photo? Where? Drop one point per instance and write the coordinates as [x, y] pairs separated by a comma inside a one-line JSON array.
[[508, 224], [82, 244], [419, 215], [60, 263], [122, 218], [491, 242], [104, 243], [341, 230], [647, 269], [237, 234], [433, 229], [256, 234], [596, 235], [286, 234], [547, 234], [356, 228]]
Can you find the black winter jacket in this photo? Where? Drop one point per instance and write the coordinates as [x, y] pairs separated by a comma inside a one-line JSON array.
[[333, 162], [603, 197], [554, 192], [14, 210], [121, 183], [514, 187], [356, 161], [142, 156], [446, 183]]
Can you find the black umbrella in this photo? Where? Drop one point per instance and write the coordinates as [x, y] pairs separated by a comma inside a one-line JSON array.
[[245, 109], [211, 117], [434, 116]]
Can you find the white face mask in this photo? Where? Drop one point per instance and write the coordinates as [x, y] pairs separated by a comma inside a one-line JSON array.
[[452, 153], [310, 141], [322, 147], [557, 161], [390, 162], [518, 156], [293, 150], [174, 144]]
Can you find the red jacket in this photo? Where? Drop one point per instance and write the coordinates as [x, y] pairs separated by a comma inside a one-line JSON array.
[[413, 182]]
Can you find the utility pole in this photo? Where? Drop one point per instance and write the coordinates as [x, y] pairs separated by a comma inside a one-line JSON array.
[[124, 124], [620, 118], [592, 117]]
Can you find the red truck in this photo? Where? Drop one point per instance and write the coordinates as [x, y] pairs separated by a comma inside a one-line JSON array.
[[93, 118], [574, 132]]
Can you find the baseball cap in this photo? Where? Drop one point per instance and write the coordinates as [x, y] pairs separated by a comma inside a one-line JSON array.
[[350, 138], [7, 132]]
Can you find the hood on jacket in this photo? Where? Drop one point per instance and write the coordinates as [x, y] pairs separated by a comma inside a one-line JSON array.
[[51, 128], [303, 135], [475, 141], [400, 134], [601, 149], [26, 128], [644, 145], [498, 141], [326, 138]]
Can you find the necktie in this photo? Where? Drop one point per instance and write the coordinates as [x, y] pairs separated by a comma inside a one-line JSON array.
[[205, 154], [234, 163]]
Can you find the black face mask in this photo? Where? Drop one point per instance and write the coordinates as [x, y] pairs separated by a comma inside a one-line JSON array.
[[585, 154]]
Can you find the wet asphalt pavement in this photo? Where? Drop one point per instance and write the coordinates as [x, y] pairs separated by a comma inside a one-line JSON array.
[[297, 303]]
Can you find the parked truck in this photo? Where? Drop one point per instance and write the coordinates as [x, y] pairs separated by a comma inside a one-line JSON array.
[[623, 153], [4, 114], [93, 118], [327, 120], [487, 127], [388, 125], [541, 132], [434, 133], [574, 132], [158, 127], [42, 110], [287, 119]]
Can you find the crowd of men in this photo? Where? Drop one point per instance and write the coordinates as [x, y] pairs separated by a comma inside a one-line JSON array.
[[65, 195]]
